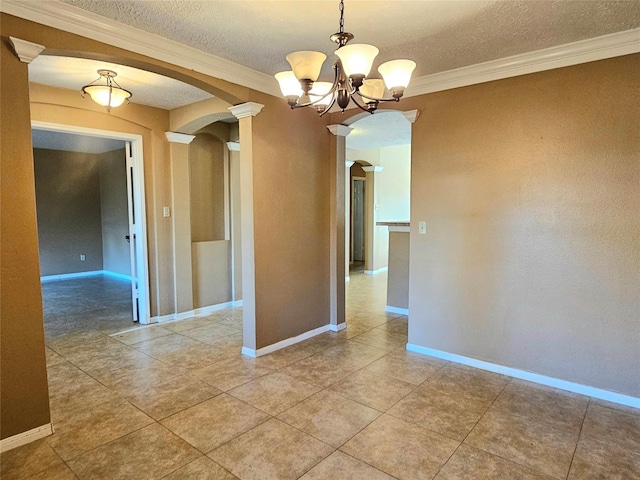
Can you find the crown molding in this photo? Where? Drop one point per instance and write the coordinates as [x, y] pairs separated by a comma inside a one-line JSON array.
[[584, 51], [62, 16], [56, 14], [249, 109], [373, 169], [233, 146], [340, 130]]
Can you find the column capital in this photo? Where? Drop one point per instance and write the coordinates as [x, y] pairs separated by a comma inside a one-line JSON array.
[[348, 163], [26, 51], [373, 169], [233, 146], [340, 130], [411, 115], [175, 137], [249, 109]]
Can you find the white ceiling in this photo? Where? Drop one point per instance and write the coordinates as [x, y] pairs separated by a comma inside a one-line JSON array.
[[382, 129], [440, 35], [147, 88]]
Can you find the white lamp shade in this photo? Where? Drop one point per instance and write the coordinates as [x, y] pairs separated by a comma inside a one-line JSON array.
[[397, 73], [357, 58], [371, 89], [319, 90], [306, 65], [107, 96], [289, 84]]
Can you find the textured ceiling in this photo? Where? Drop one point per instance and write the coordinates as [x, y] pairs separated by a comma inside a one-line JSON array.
[[438, 35], [74, 142], [384, 129], [147, 88]]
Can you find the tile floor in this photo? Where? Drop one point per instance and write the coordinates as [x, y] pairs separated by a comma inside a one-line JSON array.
[[178, 401]]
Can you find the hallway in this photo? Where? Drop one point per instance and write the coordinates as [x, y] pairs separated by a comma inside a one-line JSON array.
[[178, 401]]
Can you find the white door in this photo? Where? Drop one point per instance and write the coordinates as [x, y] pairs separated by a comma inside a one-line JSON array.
[[358, 220], [131, 238]]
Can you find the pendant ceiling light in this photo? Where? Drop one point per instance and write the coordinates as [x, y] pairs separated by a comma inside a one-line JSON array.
[[108, 94], [351, 77]]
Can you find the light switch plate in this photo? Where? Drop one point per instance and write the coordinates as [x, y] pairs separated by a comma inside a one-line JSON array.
[[166, 212], [422, 228]]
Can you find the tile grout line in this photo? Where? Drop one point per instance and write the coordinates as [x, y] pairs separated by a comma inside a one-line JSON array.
[[573, 456]]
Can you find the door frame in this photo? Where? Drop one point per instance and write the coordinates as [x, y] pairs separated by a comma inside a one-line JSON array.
[[142, 263], [364, 219]]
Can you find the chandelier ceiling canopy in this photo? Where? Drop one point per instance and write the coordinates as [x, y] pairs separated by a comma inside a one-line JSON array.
[[351, 76]]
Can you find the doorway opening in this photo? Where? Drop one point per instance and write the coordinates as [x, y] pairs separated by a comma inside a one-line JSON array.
[[112, 248]]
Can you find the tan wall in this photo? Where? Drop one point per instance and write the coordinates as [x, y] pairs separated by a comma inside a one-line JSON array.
[[291, 215], [24, 395], [116, 256], [211, 273], [398, 276], [530, 188], [69, 211]]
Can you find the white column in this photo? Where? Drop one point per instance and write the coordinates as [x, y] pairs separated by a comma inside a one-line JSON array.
[[181, 206], [26, 51], [337, 226], [236, 222], [245, 113]]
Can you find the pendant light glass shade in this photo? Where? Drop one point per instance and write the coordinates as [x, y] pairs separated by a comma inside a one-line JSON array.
[[289, 84], [306, 65], [373, 88], [107, 96], [357, 58], [397, 73]]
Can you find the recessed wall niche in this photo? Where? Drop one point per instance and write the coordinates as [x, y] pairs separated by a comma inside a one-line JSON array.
[[207, 172]]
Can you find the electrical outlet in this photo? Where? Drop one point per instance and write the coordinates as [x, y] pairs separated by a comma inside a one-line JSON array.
[[422, 228], [166, 212], [82, 257]]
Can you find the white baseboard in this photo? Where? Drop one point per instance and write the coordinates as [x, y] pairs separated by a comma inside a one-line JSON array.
[[121, 276], [373, 272], [401, 311], [284, 343], [67, 276], [529, 376], [196, 312], [339, 327], [23, 438], [92, 273]]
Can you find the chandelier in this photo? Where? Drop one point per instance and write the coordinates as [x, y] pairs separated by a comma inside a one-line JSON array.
[[109, 94], [351, 77]]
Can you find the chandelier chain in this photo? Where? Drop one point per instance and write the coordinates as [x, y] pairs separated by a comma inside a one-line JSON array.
[[341, 16]]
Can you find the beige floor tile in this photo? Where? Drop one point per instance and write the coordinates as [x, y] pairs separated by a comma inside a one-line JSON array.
[[340, 466], [613, 427], [354, 354], [469, 463], [97, 426], [382, 339], [214, 422], [59, 472], [274, 393], [596, 460], [149, 453], [271, 451], [284, 357], [372, 389], [451, 415], [71, 388], [53, 358], [187, 324], [406, 366], [370, 320], [540, 445], [319, 370], [329, 417], [141, 334], [109, 358], [401, 449], [231, 372], [468, 382], [615, 406], [210, 333], [538, 401], [164, 399], [80, 342], [27, 460], [130, 380], [322, 342], [167, 344], [202, 469], [396, 325]]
